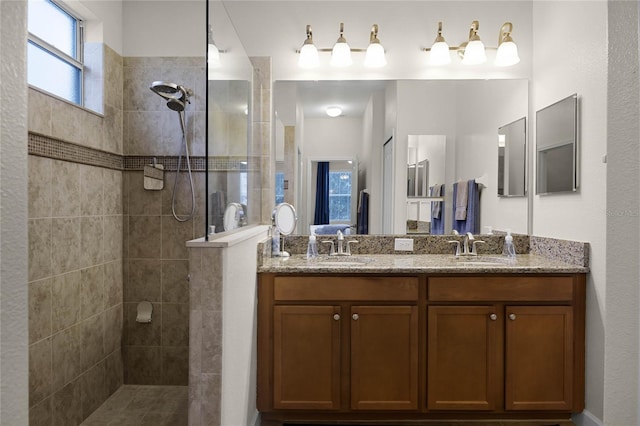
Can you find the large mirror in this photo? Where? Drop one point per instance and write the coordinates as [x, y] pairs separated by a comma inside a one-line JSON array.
[[512, 150], [463, 115], [557, 146]]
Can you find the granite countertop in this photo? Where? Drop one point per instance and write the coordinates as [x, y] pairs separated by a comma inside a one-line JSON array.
[[418, 263]]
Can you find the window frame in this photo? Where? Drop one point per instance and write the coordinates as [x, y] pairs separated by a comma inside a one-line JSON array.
[[77, 63]]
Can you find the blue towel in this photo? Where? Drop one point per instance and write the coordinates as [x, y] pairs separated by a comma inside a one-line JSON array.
[[472, 221], [437, 213]]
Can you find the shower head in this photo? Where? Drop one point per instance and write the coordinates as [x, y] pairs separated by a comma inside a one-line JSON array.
[[176, 104], [168, 90]]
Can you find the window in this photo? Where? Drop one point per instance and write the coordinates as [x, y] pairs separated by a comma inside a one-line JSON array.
[[340, 196], [279, 187], [54, 50]]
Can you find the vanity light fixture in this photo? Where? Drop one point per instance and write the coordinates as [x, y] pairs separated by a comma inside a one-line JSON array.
[[375, 57], [341, 52], [308, 52], [473, 51], [334, 111], [213, 54]]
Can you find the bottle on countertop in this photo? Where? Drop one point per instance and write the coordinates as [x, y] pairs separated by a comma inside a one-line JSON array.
[[312, 248], [275, 241], [509, 249]]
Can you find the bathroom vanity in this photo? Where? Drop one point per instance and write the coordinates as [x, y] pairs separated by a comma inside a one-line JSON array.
[[419, 337]]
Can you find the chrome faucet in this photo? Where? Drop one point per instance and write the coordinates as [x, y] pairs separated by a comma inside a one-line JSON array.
[[342, 243], [466, 250]]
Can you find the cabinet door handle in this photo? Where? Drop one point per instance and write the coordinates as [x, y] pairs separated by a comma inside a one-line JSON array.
[[512, 317], [355, 317], [493, 317], [336, 317]]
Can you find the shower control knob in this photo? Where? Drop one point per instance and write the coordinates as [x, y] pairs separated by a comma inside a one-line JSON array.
[[336, 317]]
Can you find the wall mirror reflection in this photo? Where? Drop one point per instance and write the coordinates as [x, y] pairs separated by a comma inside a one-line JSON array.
[[512, 148], [557, 147], [380, 125]]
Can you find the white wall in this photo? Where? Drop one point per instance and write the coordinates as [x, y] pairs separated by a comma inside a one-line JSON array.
[[568, 59], [104, 21], [13, 216]]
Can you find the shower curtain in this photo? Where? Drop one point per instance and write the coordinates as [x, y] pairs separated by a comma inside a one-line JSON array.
[[321, 215]]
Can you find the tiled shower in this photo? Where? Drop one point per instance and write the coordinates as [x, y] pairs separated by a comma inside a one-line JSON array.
[[99, 243]]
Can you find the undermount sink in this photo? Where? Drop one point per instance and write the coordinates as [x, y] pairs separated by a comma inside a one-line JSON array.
[[488, 261]]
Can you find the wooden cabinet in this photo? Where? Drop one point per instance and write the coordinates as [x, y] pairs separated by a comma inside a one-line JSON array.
[[425, 347]]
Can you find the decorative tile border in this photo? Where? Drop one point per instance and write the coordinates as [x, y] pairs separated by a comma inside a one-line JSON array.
[[45, 146]]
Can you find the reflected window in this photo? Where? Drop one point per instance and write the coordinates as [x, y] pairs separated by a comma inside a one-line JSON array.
[[340, 196], [54, 50], [279, 187]]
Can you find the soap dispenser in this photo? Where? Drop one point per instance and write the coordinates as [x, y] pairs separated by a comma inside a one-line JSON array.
[[509, 250], [312, 248]]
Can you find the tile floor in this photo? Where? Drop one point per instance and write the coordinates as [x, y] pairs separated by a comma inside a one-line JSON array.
[[143, 406]]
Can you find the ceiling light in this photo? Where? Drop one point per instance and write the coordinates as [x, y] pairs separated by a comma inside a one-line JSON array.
[[474, 52], [213, 54], [308, 52], [439, 50], [341, 52], [507, 50], [334, 111], [375, 57]]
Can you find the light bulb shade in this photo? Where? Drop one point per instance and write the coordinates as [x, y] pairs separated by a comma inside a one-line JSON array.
[[334, 111], [439, 54], [308, 56], [341, 55], [507, 54], [474, 53], [375, 57], [213, 56]]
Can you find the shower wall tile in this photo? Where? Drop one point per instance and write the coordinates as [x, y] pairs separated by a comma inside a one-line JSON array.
[[175, 282], [175, 324], [174, 238], [66, 357], [144, 365], [175, 366], [144, 281], [39, 310], [40, 187], [145, 236], [39, 371], [67, 405], [76, 248], [142, 201], [65, 291], [92, 291], [143, 334], [65, 189]]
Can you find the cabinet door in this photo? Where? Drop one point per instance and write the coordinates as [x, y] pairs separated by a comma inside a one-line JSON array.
[[384, 357], [306, 356], [539, 358], [462, 357]]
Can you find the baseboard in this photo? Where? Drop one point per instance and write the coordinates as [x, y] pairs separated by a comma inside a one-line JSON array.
[[586, 418]]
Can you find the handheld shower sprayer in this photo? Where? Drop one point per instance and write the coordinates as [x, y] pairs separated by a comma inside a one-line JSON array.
[[177, 97]]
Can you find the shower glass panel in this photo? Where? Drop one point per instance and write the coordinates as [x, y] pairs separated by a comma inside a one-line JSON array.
[[231, 173]]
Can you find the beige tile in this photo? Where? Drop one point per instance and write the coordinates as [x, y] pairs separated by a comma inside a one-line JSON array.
[[175, 281], [211, 399], [92, 291], [212, 342], [40, 414], [65, 193], [182, 197], [39, 187], [66, 347], [113, 283], [39, 248], [92, 338], [39, 371], [67, 405], [195, 342], [126, 189], [113, 238], [39, 310], [175, 324], [141, 201], [212, 280], [91, 132], [91, 191], [113, 187], [65, 233], [144, 281], [67, 122], [144, 365], [175, 365], [113, 372], [91, 241], [196, 278], [93, 388], [113, 129], [112, 324], [144, 237], [143, 334], [174, 238], [39, 112], [142, 132], [65, 291]]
